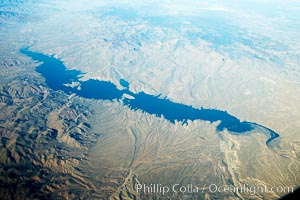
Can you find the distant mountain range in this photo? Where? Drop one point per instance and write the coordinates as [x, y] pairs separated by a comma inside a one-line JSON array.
[[12, 1]]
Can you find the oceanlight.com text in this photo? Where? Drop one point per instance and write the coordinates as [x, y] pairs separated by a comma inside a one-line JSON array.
[[211, 188]]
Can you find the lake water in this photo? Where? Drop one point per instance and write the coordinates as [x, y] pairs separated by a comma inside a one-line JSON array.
[[57, 76], [124, 83]]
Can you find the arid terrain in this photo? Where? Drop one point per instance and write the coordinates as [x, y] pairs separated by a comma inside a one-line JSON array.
[[58, 145]]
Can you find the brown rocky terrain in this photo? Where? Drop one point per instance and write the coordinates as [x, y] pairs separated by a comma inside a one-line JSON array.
[[44, 135]]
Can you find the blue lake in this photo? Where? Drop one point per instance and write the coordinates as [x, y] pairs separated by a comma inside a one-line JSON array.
[[124, 83], [57, 75]]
